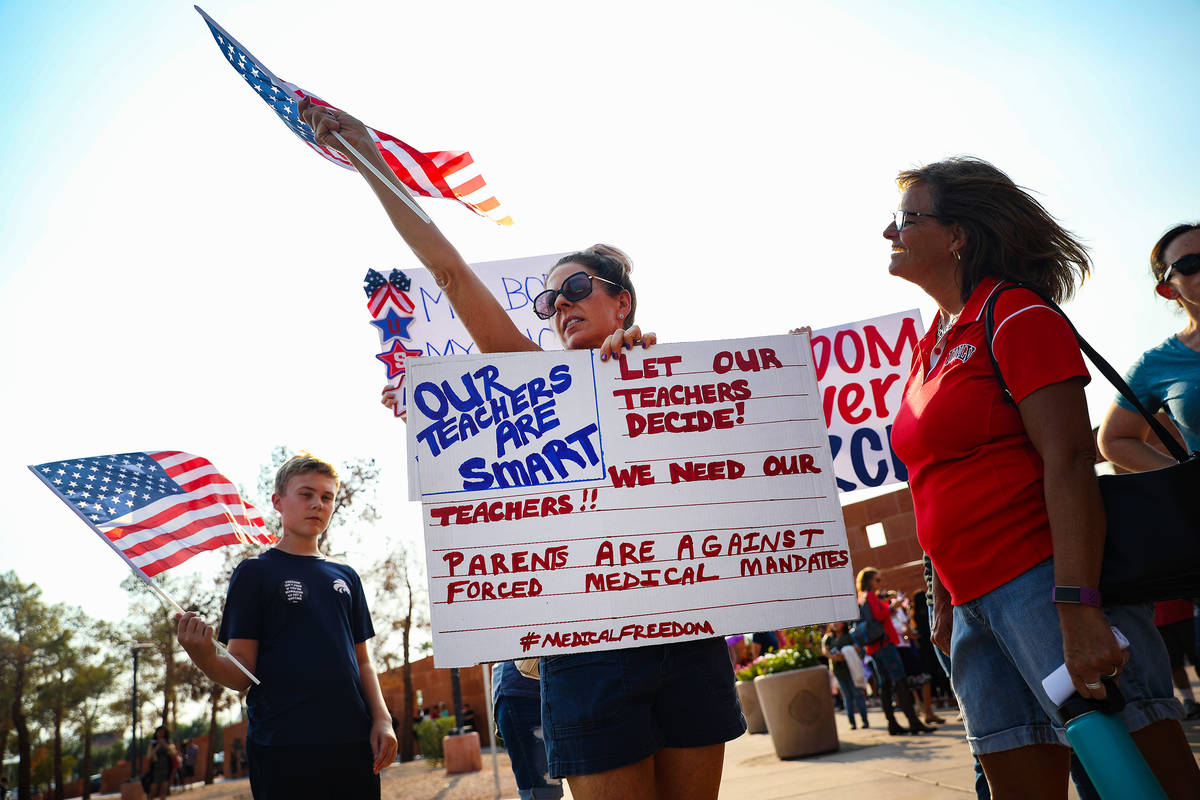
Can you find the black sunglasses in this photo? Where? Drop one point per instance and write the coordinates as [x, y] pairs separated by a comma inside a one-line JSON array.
[[574, 288], [1188, 265]]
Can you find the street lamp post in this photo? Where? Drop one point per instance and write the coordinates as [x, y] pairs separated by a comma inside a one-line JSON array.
[[135, 755]]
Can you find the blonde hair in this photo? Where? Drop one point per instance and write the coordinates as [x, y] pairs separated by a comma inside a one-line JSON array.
[[299, 464]]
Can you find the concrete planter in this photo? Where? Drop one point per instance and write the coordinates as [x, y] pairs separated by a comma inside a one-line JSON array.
[[462, 753], [748, 697], [798, 708]]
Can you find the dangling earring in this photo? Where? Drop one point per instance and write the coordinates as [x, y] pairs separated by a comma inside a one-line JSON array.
[[957, 255]]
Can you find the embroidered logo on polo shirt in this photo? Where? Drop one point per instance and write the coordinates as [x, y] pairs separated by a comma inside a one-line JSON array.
[[340, 585], [294, 591], [962, 352]]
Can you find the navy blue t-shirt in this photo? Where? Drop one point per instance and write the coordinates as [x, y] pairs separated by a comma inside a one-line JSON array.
[[307, 614]]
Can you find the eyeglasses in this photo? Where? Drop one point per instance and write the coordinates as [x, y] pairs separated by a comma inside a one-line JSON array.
[[574, 288], [1188, 265], [902, 218]]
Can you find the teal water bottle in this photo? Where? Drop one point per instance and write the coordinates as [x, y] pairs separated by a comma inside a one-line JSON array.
[[1101, 740]]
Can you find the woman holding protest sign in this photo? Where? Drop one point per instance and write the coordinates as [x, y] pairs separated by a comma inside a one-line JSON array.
[[647, 722], [1005, 493]]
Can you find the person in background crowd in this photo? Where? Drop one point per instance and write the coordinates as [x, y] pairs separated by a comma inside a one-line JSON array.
[[648, 722], [765, 642], [1005, 494], [739, 651], [938, 684], [889, 671], [1167, 378], [160, 762], [517, 704], [854, 698]]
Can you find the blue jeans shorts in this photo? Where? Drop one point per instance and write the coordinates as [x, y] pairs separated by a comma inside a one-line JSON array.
[[520, 722], [1004, 643], [613, 708]]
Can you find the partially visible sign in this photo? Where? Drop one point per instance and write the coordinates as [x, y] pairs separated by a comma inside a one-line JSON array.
[[514, 282], [675, 493], [861, 368], [414, 317]]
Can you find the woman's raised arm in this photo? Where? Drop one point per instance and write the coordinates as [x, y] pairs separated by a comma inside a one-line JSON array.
[[482, 315]]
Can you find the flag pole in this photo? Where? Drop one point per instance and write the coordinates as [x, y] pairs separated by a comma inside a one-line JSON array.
[[416, 209], [408, 201], [168, 601], [154, 587]]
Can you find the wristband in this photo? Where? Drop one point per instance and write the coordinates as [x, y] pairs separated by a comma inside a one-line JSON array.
[[1080, 595]]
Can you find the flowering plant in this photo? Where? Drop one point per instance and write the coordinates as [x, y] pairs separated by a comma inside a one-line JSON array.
[[749, 672], [787, 659]]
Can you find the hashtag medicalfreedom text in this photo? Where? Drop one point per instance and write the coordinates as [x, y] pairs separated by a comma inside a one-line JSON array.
[[655, 630]]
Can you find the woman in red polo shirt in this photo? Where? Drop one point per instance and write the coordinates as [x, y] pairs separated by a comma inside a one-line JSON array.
[[1005, 493]]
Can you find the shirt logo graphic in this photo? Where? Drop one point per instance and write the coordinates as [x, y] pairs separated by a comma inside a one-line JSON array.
[[962, 352], [293, 592], [340, 585]]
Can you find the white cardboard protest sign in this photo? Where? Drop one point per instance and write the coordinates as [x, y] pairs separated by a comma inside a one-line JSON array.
[[437, 331], [571, 504], [514, 282], [861, 368]]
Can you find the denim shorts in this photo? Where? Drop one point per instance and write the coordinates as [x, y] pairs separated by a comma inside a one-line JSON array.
[[613, 708], [520, 721], [1004, 643]]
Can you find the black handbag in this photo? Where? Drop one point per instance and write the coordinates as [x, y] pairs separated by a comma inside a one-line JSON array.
[[867, 630], [1152, 548]]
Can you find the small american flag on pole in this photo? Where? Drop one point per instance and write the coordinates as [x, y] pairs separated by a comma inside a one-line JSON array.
[[156, 509], [444, 173]]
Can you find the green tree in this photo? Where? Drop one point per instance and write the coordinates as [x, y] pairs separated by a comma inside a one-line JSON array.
[[397, 610], [93, 687], [55, 692], [205, 600], [26, 625]]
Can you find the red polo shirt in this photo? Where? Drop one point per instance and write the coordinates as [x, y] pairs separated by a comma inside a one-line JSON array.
[[882, 612], [975, 476]]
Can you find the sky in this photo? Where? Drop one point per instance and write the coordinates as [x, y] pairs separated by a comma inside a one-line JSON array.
[[177, 271]]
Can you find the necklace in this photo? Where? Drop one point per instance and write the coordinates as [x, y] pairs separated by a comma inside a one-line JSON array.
[[945, 323]]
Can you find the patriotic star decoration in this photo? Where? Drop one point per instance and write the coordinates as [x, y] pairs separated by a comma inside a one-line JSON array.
[[393, 326], [106, 487], [394, 358]]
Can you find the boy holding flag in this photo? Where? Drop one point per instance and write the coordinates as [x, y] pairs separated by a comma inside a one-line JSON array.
[[318, 727]]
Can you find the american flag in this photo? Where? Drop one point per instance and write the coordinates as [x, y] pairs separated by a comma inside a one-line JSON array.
[[156, 509], [444, 173]]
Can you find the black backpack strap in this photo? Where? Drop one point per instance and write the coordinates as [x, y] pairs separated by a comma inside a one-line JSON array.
[[989, 330]]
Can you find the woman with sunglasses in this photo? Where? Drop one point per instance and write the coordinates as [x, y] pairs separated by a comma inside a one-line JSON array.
[[1005, 492], [648, 722], [1166, 377]]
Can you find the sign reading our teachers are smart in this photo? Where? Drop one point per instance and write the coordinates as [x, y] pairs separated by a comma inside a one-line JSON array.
[[676, 492]]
